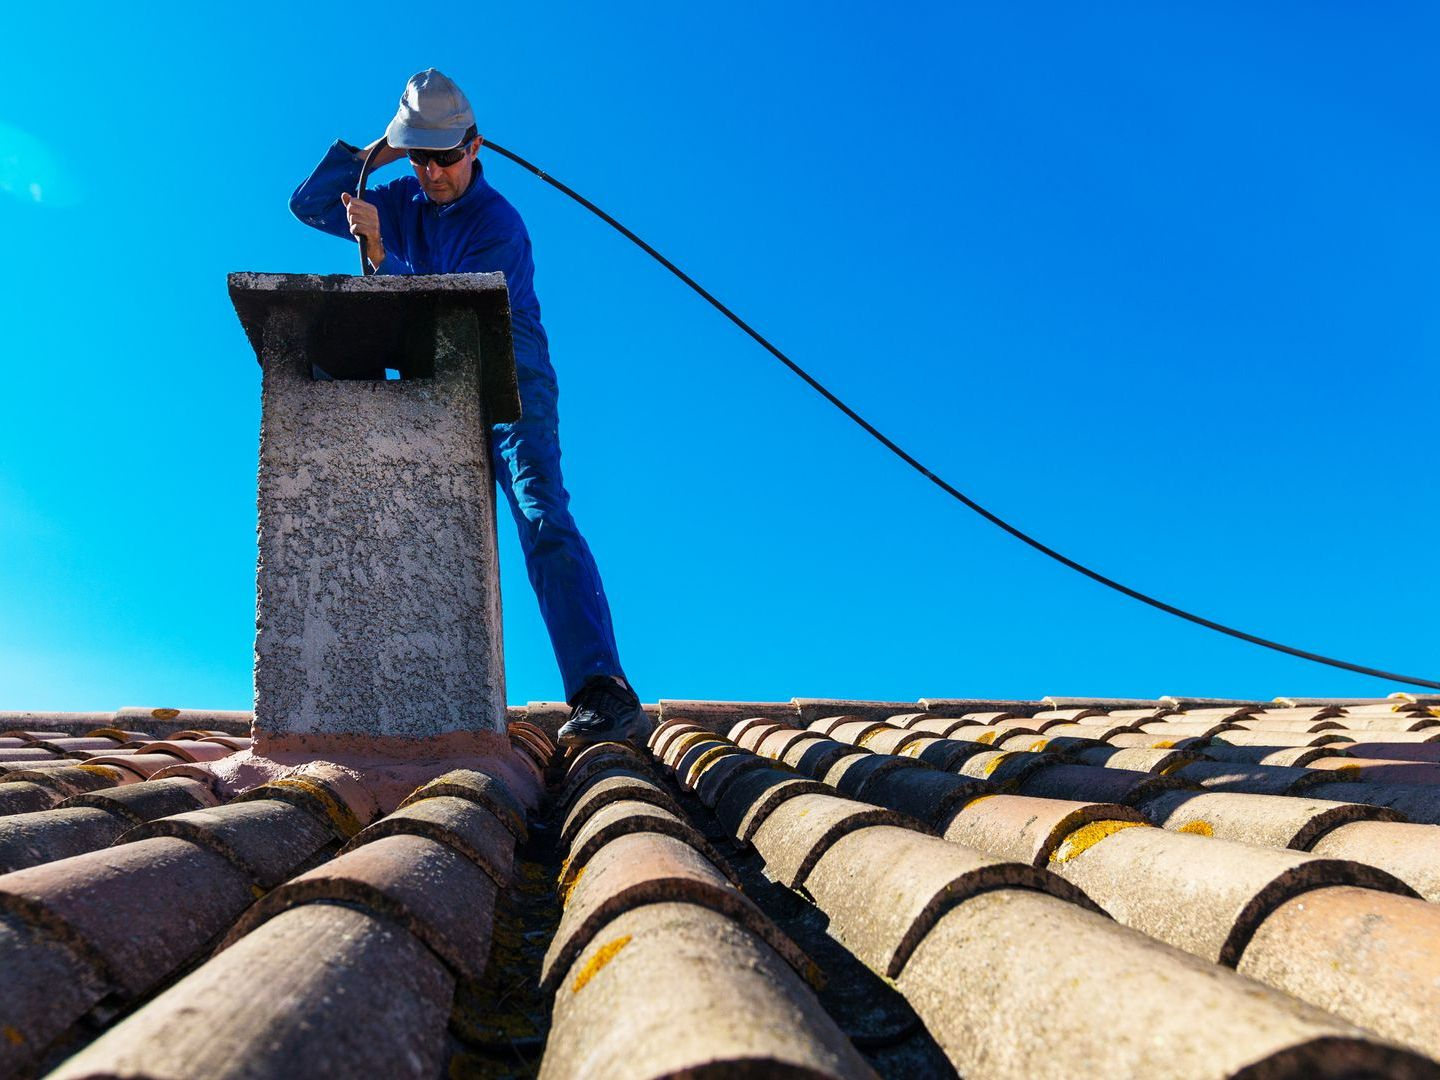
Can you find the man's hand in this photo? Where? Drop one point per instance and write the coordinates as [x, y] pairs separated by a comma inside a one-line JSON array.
[[364, 221]]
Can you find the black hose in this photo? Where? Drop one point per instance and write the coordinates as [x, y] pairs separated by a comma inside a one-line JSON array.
[[365, 268], [894, 448]]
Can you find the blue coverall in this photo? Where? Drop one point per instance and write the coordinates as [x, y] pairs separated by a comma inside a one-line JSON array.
[[477, 233]]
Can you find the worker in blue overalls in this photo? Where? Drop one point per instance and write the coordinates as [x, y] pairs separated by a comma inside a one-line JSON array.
[[446, 219]]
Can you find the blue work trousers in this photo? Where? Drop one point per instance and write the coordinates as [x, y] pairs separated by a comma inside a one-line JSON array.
[[561, 568]]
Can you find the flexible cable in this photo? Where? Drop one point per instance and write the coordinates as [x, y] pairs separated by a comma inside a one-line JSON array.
[[941, 483]]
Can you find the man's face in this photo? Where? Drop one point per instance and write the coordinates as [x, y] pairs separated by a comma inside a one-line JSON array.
[[446, 183]]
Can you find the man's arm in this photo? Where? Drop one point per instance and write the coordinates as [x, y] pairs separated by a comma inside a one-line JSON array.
[[325, 201]]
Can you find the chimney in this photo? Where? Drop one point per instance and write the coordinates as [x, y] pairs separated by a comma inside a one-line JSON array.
[[377, 613]]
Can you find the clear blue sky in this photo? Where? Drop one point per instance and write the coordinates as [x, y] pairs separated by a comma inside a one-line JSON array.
[[1158, 282]]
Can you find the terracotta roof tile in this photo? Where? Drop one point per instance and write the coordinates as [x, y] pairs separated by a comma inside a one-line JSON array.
[[890, 739], [980, 733], [32, 839], [750, 733], [28, 752], [1206, 896], [462, 825], [1027, 829], [961, 706], [722, 771], [1090, 732], [267, 839], [623, 818], [677, 747], [1400, 848], [671, 730], [606, 788], [801, 829], [1395, 751], [339, 990], [683, 760], [1139, 716], [1089, 783], [828, 723], [1369, 957], [884, 888], [882, 884], [811, 709], [484, 790], [754, 795], [1005, 768], [940, 726], [849, 775], [1283, 821], [1185, 729], [24, 797], [409, 879], [818, 756], [1263, 723], [139, 803], [720, 715], [939, 753], [107, 905], [1369, 770], [648, 868], [1135, 758], [64, 746], [1025, 742], [1150, 740], [927, 795], [1016, 983], [47, 986], [143, 765], [1285, 757], [1251, 779], [1388, 723], [1415, 802], [672, 989]]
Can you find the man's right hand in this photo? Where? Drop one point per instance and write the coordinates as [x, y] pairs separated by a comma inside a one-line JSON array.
[[364, 221]]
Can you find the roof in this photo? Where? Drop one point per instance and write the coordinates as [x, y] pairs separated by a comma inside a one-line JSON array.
[[1066, 887]]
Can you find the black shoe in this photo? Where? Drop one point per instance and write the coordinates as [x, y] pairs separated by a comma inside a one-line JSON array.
[[605, 711]]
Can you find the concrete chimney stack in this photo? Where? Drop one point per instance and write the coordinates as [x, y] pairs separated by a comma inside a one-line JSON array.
[[377, 589]]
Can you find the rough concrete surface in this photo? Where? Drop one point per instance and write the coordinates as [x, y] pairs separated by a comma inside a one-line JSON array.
[[378, 606]]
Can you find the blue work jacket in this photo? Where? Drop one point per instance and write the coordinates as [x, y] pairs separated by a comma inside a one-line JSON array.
[[480, 232]]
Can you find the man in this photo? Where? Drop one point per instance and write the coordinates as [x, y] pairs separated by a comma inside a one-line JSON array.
[[446, 219]]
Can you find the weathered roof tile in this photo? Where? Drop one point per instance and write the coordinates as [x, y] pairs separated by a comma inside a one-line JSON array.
[[884, 888], [1024, 828], [649, 868], [324, 989], [1369, 957], [673, 989], [412, 880], [1016, 984], [1206, 896], [799, 831]]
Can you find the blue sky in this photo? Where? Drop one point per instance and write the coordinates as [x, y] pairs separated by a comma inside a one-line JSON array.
[[1156, 282]]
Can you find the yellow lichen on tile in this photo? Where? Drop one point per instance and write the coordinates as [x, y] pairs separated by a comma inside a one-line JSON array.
[[164, 714], [1199, 827], [603, 956], [1087, 836], [994, 763], [705, 760], [13, 1037], [568, 887]]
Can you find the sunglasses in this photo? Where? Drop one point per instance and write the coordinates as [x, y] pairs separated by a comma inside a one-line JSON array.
[[443, 158]]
